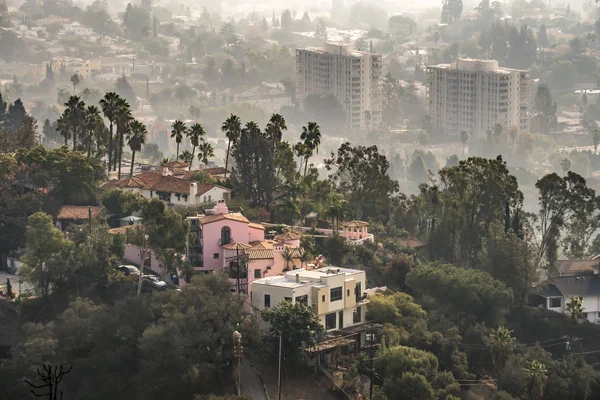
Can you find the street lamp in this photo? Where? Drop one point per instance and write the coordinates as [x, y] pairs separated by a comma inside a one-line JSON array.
[[238, 351]]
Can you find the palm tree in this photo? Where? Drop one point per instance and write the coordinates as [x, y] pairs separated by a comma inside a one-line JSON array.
[[186, 156], [75, 81], [304, 258], [501, 344], [92, 120], [205, 151], [275, 129], [288, 257], [196, 133], [178, 130], [123, 119], [109, 108], [464, 138], [62, 126], [75, 111], [575, 308], [596, 139], [303, 152], [536, 378], [311, 136], [135, 139], [233, 130], [338, 211], [164, 161]]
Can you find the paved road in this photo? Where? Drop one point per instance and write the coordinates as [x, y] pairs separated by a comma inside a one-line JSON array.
[[251, 384]]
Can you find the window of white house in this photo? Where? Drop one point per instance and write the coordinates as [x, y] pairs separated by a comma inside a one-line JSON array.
[[257, 273], [209, 197], [555, 302], [330, 321], [287, 299], [267, 300], [335, 294], [323, 299], [204, 201]]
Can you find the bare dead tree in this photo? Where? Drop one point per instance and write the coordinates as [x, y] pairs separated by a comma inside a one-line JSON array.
[[51, 376]]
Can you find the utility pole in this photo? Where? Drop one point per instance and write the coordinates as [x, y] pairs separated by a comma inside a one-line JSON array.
[[370, 336], [143, 256], [279, 373], [90, 220]]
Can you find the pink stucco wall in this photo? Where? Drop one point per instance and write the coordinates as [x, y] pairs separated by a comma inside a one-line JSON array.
[[211, 237], [255, 234], [132, 255]]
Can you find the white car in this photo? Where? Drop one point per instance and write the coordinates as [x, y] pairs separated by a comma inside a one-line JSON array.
[[129, 269], [156, 281]]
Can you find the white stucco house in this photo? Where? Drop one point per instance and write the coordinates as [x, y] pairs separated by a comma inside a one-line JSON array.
[[170, 189]]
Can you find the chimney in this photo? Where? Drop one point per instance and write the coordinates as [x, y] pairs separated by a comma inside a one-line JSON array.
[[221, 208], [193, 192], [166, 171], [297, 278]]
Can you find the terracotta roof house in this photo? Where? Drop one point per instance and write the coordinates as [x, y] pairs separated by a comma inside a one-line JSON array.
[[76, 214], [223, 239], [170, 189], [356, 232]]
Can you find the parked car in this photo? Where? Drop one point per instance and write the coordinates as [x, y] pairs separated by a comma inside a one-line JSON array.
[[155, 281], [129, 269]]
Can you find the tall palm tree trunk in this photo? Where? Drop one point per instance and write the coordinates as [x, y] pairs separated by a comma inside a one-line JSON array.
[[132, 160], [305, 165], [66, 141], [120, 152], [227, 157], [116, 149], [192, 161], [177, 156], [90, 133], [110, 145]]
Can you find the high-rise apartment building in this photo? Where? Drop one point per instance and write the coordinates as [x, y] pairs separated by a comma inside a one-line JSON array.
[[352, 76], [475, 95]]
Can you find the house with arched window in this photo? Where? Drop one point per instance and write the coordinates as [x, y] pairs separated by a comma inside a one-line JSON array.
[[227, 241]]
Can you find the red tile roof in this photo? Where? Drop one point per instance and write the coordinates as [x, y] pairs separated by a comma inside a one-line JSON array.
[[207, 219], [78, 212], [176, 164], [355, 224], [158, 182], [256, 226], [287, 237], [216, 171]]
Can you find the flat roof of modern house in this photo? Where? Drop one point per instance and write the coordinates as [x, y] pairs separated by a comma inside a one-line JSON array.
[[314, 277]]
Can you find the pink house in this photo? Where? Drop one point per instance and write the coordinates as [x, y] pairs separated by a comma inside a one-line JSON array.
[[222, 240]]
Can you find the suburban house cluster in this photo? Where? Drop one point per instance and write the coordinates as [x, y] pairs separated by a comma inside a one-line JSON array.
[[567, 279]]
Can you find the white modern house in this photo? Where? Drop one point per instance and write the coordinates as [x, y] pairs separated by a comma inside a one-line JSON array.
[[336, 295]]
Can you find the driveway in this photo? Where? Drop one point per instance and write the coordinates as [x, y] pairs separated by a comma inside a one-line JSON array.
[[252, 385]]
